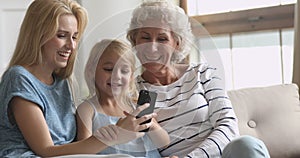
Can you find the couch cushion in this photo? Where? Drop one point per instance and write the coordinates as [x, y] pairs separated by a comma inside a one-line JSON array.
[[271, 114]]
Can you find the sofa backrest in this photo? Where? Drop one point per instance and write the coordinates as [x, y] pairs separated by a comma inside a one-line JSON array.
[[271, 114]]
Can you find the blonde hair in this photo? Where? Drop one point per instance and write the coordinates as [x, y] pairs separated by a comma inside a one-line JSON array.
[[168, 15], [123, 50], [40, 24]]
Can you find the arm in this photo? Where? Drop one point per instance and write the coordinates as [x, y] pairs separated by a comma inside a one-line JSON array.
[[126, 129], [221, 115], [158, 135], [33, 126], [84, 115]]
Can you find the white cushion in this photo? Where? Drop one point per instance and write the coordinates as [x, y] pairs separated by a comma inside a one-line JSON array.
[[271, 114]]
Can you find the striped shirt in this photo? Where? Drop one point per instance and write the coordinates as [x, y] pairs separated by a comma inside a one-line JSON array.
[[196, 112]]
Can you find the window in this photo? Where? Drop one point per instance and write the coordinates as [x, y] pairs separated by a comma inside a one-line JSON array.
[[255, 46], [204, 7]]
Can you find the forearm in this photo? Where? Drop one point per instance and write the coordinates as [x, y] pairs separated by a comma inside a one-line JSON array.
[[221, 115], [90, 145], [159, 136]]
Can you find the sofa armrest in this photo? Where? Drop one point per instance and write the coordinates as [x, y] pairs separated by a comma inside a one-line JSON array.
[[271, 114]]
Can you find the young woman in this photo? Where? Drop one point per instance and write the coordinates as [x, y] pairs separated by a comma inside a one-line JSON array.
[[37, 109], [109, 74]]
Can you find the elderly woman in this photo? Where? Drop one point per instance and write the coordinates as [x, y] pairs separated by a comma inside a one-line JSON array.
[[191, 105]]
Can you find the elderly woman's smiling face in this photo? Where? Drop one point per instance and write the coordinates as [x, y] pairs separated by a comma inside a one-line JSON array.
[[155, 47]]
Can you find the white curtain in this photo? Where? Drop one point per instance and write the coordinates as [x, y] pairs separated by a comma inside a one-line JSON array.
[[296, 67]]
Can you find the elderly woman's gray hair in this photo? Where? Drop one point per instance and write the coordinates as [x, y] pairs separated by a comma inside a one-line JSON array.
[[168, 16]]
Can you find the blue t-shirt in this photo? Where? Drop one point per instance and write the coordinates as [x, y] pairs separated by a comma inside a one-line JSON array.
[[54, 100]]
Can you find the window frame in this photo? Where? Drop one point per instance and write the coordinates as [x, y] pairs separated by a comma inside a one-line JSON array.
[[268, 18]]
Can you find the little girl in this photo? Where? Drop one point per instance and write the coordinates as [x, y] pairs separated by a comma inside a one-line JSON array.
[[109, 74]]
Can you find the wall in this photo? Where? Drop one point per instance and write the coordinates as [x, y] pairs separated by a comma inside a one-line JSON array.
[[106, 20], [11, 15]]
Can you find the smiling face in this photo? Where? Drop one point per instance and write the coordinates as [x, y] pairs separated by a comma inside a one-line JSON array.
[[155, 47], [57, 50], [112, 75]]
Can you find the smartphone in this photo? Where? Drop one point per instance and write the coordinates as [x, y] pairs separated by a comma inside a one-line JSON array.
[[146, 96]]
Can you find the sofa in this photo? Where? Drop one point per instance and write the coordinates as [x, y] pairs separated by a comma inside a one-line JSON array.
[[271, 114]]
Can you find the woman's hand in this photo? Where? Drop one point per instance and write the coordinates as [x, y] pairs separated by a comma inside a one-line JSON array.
[[112, 135]]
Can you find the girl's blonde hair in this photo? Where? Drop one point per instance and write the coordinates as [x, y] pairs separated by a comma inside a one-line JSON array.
[[124, 51], [40, 24]]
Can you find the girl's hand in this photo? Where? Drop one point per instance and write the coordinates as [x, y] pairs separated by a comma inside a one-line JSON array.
[[131, 123], [126, 129]]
